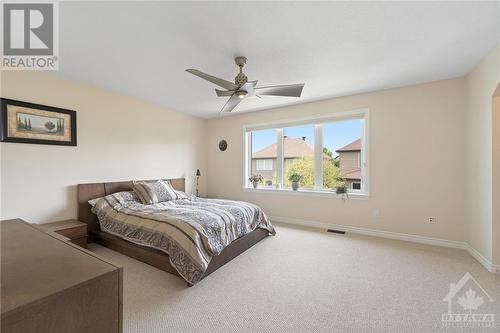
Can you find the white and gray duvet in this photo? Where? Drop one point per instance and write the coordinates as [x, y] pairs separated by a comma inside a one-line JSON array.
[[191, 231]]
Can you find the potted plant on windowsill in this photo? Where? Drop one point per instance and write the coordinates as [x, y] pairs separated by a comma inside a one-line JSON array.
[[256, 180], [341, 187], [295, 178]]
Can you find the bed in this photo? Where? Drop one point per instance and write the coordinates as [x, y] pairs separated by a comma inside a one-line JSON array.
[[115, 216]]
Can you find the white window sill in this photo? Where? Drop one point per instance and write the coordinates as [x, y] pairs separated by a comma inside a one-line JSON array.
[[307, 192]]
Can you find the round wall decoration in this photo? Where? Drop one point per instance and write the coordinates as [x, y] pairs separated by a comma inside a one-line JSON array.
[[222, 145]]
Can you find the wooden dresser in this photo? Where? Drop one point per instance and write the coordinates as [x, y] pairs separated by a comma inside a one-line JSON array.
[[50, 285]]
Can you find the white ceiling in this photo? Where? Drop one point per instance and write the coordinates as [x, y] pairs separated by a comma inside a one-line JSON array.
[[142, 48]]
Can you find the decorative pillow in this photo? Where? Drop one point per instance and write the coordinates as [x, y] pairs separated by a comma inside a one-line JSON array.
[[153, 192], [180, 194], [123, 197], [126, 197], [92, 202], [175, 194]]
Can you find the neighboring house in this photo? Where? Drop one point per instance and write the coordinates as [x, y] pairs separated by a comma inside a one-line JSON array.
[[349, 158], [264, 160]]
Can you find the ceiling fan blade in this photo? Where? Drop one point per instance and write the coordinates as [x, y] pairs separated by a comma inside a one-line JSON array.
[[231, 103], [291, 90], [218, 81], [222, 93]]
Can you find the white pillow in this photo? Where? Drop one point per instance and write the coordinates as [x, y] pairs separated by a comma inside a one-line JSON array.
[[92, 202]]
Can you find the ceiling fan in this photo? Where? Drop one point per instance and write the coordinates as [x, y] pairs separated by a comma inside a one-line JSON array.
[[242, 88]]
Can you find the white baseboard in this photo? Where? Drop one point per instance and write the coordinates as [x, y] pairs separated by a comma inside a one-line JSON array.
[[393, 235], [479, 257]]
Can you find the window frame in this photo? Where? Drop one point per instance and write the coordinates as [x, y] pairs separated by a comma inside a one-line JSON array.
[[317, 121]]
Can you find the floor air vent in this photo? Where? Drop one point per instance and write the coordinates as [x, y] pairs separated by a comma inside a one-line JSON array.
[[336, 231]]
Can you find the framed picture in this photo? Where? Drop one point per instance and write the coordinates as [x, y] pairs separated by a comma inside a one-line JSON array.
[[34, 123]]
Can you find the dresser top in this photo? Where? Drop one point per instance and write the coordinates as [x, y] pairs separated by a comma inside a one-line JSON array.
[[35, 264]]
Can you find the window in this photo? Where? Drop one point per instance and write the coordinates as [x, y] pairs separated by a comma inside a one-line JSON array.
[[264, 165], [326, 151], [342, 142]]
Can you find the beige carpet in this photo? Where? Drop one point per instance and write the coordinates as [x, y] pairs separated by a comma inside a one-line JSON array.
[[306, 280]]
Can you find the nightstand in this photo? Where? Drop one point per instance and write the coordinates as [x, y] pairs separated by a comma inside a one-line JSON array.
[[75, 230]]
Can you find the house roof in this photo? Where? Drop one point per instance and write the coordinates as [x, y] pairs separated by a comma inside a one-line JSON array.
[[353, 174], [292, 148], [353, 146]]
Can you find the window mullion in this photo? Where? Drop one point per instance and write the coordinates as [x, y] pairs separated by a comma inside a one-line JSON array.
[[318, 156], [279, 157]]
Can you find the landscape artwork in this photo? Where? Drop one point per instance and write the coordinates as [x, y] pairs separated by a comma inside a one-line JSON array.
[[32, 123]]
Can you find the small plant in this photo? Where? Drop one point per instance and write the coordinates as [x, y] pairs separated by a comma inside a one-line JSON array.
[[340, 182], [256, 180], [342, 188], [295, 178]]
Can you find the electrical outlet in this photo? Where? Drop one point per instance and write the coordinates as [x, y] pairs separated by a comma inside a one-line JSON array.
[[432, 220]]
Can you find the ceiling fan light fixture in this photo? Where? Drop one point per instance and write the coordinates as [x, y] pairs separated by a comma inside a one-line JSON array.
[[240, 79], [241, 93]]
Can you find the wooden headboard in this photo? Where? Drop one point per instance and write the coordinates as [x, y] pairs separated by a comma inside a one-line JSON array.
[[87, 192]]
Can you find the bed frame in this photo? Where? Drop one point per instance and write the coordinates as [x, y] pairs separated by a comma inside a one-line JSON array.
[[153, 257]]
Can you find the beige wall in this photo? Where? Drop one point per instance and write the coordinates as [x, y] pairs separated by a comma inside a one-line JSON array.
[[119, 138], [416, 143], [481, 84]]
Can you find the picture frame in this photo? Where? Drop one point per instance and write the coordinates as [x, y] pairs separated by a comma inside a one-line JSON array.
[[24, 122]]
